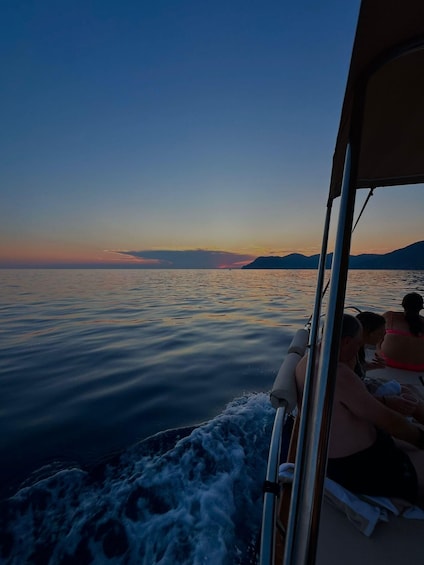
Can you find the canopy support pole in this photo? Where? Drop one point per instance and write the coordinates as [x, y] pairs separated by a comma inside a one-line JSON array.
[[302, 535]]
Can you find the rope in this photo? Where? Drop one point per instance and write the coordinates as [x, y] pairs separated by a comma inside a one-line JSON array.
[[371, 193]]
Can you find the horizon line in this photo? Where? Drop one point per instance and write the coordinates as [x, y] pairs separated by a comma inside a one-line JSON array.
[[173, 260]]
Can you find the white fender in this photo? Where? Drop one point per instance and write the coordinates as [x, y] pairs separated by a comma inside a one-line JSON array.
[[284, 387]]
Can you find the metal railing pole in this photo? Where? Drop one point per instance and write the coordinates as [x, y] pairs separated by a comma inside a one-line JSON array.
[[310, 474], [269, 508]]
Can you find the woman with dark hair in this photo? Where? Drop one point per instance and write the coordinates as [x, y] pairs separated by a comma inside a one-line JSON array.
[[403, 344], [397, 397], [373, 331]]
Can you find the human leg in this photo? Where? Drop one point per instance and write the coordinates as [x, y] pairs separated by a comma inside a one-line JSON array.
[[417, 459]]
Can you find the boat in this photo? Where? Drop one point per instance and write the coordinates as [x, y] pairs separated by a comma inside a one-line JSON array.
[[379, 144]]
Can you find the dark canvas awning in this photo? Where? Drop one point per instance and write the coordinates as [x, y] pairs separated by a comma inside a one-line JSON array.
[[386, 83]]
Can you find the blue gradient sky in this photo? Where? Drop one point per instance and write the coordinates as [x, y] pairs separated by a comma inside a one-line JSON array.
[[174, 126]]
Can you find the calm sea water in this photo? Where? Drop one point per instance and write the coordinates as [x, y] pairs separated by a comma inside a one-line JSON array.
[[92, 362]]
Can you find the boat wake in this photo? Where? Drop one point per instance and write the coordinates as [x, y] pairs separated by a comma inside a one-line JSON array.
[[189, 496]]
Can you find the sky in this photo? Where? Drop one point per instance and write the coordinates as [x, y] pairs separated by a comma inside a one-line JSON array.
[[183, 133]]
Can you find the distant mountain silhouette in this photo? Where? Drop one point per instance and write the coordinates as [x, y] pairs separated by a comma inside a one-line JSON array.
[[410, 258]]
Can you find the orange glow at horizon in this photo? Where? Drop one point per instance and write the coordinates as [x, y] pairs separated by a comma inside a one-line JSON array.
[[53, 253], [64, 252]]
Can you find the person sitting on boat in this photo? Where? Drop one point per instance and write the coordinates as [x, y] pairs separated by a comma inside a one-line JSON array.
[[401, 398], [403, 344], [363, 456], [373, 331]]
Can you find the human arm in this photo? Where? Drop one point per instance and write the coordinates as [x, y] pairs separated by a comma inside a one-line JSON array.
[[376, 362], [355, 397], [393, 421], [399, 404]]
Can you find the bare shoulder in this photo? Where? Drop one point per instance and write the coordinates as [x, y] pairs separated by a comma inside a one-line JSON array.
[[348, 381], [345, 372], [352, 393], [398, 316]]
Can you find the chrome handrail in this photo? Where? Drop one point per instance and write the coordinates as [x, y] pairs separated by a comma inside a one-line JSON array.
[[266, 556]]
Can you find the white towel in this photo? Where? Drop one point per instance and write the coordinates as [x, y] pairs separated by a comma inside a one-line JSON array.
[[363, 515], [391, 388]]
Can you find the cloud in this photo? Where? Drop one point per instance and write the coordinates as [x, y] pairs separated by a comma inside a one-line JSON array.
[[144, 259], [188, 259]]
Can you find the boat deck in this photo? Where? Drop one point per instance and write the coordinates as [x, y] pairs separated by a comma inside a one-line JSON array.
[[392, 543]]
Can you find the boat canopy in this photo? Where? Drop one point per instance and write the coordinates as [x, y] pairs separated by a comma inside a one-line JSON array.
[[385, 94], [380, 143]]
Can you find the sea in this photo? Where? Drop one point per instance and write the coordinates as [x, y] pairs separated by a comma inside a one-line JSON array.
[[135, 417]]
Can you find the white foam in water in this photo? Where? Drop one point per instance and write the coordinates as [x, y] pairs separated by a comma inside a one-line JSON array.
[[200, 502]]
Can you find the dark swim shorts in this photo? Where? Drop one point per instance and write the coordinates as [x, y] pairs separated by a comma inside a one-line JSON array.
[[380, 470]]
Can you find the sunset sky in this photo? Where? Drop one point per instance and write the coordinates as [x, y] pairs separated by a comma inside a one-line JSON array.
[[178, 133]]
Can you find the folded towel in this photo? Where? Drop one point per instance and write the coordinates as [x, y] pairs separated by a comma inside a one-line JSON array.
[[362, 514], [414, 513], [391, 388]]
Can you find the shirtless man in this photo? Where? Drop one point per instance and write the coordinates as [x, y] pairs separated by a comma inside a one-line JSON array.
[[363, 457]]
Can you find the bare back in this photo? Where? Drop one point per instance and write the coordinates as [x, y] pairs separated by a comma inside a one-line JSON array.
[[399, 345]]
